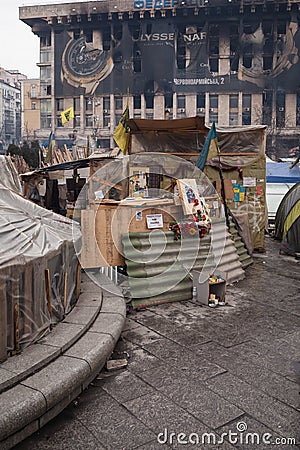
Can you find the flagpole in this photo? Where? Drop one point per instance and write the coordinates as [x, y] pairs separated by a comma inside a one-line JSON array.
[[226, 209]]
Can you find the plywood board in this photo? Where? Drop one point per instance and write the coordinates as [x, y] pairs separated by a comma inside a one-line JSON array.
[[90, 254], [103, 226]]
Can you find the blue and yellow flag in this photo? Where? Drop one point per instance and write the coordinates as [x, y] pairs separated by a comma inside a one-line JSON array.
[[50, 145], [67, 115], [210, 148], [122, 131]]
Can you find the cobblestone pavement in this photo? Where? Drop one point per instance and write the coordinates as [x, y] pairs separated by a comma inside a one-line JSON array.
[[197, 370]]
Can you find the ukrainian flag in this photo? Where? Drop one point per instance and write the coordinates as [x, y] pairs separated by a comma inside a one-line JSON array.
[[67, 115], [122, 132], [210, 148], [50, 145]]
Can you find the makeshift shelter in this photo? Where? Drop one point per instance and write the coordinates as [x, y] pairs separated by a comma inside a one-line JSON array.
[[8, 175], [39, 272], [242, 159], [280, 178], [281, 172], [287, 221]]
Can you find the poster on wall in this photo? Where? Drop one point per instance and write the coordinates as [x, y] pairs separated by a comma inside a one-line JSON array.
[[127, 57]]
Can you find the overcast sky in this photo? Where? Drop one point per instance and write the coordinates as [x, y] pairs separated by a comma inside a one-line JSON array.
[[19, 47]]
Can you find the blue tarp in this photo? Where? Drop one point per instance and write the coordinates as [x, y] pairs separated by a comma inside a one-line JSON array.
[[280, 172]]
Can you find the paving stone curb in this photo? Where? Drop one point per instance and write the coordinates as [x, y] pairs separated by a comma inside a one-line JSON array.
[[38, 384]]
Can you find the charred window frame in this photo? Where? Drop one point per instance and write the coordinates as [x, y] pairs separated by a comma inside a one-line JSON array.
[[213, 47], [88, 103], [246, 109], [137, 103], [181, 53], [234, 47], [298, 109], [137, 58], [118, 103], [268, 50], [106, 112], [45, 41], [233, 109], [169, 101], [213, 108], [106, 38], [88, 34], [201, 100], [267, 107], [76, 104], [76, 33], [59, 104], [280, 109]]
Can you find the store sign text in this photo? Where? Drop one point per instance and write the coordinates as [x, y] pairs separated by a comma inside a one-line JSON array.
[[157, 37], [161, 4]]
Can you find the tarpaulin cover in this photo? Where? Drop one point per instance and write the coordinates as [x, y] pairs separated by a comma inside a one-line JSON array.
[[280, 172], [242, 154], [9, 175], [33, 242], [287, 221], [239, 146]]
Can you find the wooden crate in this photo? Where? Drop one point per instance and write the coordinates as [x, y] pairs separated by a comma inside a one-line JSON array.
[[103, 225]]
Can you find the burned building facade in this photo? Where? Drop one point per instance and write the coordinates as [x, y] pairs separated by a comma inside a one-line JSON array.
[[236, 62]]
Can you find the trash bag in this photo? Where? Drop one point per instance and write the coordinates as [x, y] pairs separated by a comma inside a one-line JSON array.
[[35, 196]]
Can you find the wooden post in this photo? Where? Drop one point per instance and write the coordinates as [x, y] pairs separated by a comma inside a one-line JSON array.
[[16, 328], [48, 291], [78, 278], [3, 317], [65, 291]]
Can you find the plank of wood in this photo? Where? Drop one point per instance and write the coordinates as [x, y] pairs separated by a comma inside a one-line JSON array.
[[114, 364], [108, 183], [48, 290]]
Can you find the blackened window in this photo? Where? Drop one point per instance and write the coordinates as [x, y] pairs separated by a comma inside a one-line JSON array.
[[88, 35], [280, 109], [89, 121], [246, 113], [168, 101], [118, 103], [298, 109], [267, 108], [106, 103], [59, 104], [233, 101], [137, 60], [213, 101], [180, 101], [76, 33], [214, 64], [137, 102], [58, 122], [106, 36], [246, 101], [149, 99], [201, 100], [88, 104], [45, 41], [76, 104]]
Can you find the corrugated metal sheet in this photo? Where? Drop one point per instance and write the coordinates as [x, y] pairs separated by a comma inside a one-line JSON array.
[[229, 261], [159, 269], [159, 272], [241, 249]]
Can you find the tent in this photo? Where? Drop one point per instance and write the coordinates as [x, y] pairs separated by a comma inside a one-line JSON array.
[[280, 178], [39, 272], [280, 172], [287, 221]]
